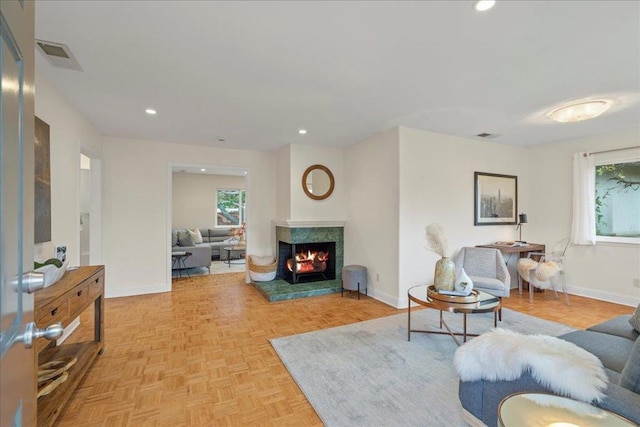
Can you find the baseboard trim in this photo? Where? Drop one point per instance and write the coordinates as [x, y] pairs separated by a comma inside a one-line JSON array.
[[383, 297], [603, 296], [130, 292]]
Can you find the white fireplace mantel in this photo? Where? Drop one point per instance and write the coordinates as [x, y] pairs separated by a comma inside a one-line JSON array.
[[289, 223]]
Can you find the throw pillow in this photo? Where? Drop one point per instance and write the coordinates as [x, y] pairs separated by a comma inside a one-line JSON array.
[[174, 237], [184, 238], [635, 319], [196, 236], [630, 375]]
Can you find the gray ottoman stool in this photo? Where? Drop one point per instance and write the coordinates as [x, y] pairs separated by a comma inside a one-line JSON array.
[[354, 278]]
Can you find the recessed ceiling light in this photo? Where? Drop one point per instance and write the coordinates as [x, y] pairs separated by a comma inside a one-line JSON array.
[[302, 131], [222, 140], [579, 111], [203, 170], [482, 5], [150, 111]]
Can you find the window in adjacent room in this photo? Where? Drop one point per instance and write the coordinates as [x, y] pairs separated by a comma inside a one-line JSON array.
[[231, 208], [618, 201]]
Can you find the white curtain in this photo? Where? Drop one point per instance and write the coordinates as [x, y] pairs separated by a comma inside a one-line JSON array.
[[583, 229]]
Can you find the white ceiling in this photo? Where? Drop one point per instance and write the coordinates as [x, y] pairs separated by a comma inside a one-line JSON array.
[[253, 73]]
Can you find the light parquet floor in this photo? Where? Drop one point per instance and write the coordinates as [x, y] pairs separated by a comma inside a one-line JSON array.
[[200, 355]]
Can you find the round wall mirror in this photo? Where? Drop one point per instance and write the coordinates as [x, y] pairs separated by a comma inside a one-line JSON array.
[[318, 182]]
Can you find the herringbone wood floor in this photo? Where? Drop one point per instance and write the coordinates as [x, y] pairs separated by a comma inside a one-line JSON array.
[[200, 355]]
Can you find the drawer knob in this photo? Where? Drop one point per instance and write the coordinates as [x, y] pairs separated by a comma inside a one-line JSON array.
[[79, 293], [54, 311]]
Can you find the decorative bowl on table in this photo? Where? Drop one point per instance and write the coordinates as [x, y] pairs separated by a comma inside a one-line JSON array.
[[473, 297]]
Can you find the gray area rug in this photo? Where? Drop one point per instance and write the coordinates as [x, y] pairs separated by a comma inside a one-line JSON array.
[[368, 374]]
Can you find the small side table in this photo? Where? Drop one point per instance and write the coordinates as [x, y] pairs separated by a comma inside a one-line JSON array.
[[178, 262], [542, 410]]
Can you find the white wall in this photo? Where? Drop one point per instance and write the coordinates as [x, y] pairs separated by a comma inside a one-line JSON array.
[[437, 185], [283, 186], [136, 206], [304, 208], [194, 198], [371, 230], [604, 271], [70, 132]]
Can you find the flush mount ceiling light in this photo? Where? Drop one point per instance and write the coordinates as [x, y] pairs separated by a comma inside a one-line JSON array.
[[579, 111], [302, 131], [203, 170], [483, 5], [151, 111]]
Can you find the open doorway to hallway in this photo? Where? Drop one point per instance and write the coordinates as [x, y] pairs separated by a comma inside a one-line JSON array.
[[90, 210]]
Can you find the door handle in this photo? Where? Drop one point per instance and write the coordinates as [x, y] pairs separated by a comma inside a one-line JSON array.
[[32, 333], [31, 282]]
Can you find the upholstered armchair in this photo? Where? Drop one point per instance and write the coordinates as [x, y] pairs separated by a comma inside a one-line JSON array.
[[486, 268]]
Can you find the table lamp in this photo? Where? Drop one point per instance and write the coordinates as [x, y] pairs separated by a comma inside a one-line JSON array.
[[522, 219]]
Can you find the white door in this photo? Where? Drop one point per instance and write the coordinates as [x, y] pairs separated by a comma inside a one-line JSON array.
[[17, 381]]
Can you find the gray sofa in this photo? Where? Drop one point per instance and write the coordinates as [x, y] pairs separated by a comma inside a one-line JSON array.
[[213, 240], [614, 342]]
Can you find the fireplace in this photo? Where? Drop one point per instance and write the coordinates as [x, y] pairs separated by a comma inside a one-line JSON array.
[[306, 262]]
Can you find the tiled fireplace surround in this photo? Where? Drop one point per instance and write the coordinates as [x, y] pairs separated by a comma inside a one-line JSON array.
[[300, 233]]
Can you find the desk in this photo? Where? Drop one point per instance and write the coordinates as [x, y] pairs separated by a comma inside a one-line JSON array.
[[522, 251]]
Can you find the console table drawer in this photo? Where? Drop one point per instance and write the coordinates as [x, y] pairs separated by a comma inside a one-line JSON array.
[[55, 311], [77, 300], [96, 285]]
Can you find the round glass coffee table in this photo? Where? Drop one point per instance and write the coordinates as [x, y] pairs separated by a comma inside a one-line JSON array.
[[482, 303], [237, 251], [549, 410]]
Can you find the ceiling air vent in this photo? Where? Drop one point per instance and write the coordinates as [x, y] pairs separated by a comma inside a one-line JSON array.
[[488, 135], [58, 55]]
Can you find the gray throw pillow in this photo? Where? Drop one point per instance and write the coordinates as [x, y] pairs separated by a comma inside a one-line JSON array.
[[184, 238], [630, 375], [635, 319], [174, 237]]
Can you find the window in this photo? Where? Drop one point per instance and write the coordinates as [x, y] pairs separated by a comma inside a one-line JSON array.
[[231, 208], [617, 201]]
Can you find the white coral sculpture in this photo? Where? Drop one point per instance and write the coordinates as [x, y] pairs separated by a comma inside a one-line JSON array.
[[436, 240]]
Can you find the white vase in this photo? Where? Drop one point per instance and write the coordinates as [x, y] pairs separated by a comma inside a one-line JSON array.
[[464, 282]]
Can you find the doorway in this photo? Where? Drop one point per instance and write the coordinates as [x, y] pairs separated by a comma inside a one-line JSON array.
[[90, 210], [193, 204]]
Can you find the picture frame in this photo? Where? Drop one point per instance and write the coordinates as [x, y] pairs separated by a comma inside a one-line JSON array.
[[495, 199]]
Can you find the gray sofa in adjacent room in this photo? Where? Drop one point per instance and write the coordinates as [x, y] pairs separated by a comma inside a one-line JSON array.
[[213, 240], [614, 342]]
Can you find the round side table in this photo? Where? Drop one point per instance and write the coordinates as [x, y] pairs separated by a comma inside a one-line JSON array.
[[549, 410]]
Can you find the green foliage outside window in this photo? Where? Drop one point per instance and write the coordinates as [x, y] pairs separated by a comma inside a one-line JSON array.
[[618, 199], [231, 207]]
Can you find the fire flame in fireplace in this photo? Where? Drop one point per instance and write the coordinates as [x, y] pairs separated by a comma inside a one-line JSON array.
[[309, 262]]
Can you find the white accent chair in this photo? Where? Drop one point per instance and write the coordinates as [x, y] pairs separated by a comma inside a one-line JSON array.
[[545, 273], [487, 270]]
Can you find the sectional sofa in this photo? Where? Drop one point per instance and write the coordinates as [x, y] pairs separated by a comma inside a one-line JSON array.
[[213, 240], [614, 342]]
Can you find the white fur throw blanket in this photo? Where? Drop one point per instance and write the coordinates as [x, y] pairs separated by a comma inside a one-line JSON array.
[[543, 271], [559, 365]]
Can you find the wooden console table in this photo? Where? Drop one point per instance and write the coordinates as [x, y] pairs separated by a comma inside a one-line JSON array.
[[63, 302]]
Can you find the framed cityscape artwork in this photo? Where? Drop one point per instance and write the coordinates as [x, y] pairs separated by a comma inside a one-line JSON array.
[[495, 199]]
